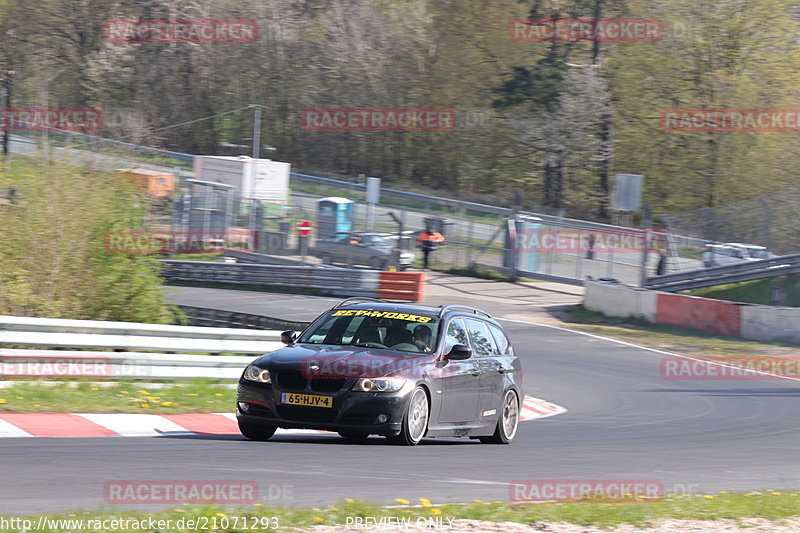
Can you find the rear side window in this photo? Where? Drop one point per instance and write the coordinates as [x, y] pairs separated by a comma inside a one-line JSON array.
[[482, 341], [500, 339], [456, 334]]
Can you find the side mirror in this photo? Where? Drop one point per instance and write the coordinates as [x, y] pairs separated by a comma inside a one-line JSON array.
[[288, 337], [459, 352]]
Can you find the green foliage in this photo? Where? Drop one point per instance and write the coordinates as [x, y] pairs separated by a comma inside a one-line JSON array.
[[53, 262]]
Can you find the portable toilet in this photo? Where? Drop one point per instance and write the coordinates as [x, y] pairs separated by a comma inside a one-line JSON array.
[[334, 217]]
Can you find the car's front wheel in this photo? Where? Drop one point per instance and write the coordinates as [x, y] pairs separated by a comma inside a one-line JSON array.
[[507, 422], [415, 420], [257, 431]]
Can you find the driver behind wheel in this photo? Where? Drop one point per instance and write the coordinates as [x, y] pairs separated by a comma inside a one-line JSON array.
[[422, 338]]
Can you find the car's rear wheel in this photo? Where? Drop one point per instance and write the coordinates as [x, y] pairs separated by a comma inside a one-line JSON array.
[[415, 420], [377, 263], [257, 431], [507, 422], [353, 436]]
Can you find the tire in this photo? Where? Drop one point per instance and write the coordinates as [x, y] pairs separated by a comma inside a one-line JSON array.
[[353, 437], [508, 422], [260, 432], [415, 420], [377, 263], [326, 259]]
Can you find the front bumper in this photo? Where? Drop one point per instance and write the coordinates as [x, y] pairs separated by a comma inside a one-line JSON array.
[[352, 411]]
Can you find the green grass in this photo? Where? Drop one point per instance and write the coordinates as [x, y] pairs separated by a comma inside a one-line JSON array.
[[755, 292], [197, 396], [769, 505], [664, 336]]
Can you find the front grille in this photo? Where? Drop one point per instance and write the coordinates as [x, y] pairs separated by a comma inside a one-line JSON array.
[[327, 384], [306, 414], [292, 381]]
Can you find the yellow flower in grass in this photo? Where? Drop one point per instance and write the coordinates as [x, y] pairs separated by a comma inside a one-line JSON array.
[[775, 493], [350, 500], [2, 400], [477, 501], [218, 394], [221, 514], [425, 502], [708, 496], [19, 397], [258, 505], [166, 404], [723, 492], [95, 388], [334, 508], [401, 500], [179, 510], [191, 394], [436, 511], [144, 392], [123, 392], [318, 519], [181, 385], [37, 405], [144, 405]]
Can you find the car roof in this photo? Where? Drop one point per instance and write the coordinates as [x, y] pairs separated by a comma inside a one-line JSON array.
[[438, 311]]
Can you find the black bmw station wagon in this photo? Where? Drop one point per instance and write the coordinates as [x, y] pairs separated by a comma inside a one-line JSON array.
[[369, 367]]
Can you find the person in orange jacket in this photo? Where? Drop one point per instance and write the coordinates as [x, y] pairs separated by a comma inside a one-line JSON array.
[[429, 241]]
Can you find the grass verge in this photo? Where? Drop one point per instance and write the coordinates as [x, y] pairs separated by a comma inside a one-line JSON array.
[[197, 396], [758, 291], [766, 505], [666, 337]]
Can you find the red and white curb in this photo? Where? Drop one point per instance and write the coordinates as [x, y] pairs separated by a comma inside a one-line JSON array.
[[143, 425]]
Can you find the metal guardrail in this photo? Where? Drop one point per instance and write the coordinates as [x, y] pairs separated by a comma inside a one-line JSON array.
[[64, 333], [332, 281], [217, 318], [721, 275], [42, 334]]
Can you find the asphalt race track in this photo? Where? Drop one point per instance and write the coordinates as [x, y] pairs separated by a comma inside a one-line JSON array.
[[624, 422]]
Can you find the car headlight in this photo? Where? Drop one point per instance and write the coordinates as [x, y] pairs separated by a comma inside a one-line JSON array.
[[379, 384], [259, 375]]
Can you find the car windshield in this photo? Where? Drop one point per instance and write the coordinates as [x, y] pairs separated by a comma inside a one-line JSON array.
[[375, 240], [757, 253], [395, 330]]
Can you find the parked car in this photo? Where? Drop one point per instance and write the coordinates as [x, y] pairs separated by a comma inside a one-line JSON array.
[[733, 252], [402, 371], [368, 249]]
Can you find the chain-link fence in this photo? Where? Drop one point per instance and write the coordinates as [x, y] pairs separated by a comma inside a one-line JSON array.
[[769, 221], [479, 236]]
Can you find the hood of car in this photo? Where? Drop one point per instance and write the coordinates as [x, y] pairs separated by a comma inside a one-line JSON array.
[[334, 361]]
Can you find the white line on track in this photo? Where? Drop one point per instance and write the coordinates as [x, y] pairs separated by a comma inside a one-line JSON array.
[[655, 350]]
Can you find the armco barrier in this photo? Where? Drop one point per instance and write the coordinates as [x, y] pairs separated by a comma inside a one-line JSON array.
[[720, 317], [711, 316], [329, 281]]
